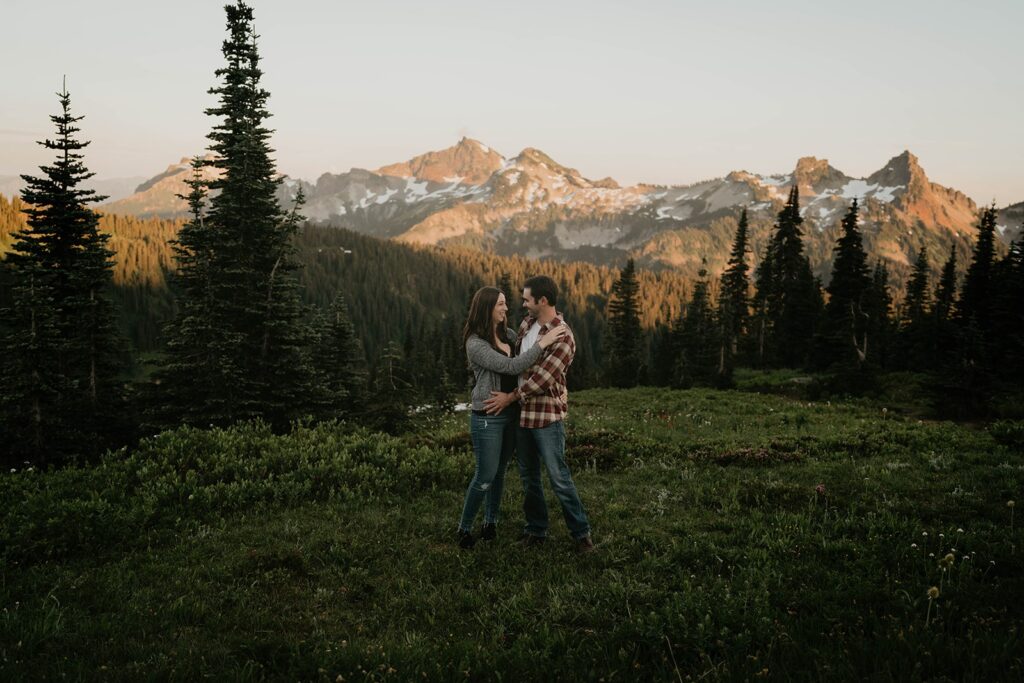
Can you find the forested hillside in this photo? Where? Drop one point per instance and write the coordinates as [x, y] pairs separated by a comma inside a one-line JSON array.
[[395, 292]]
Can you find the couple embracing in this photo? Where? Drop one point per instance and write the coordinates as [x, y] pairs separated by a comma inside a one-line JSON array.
[[519, 404]]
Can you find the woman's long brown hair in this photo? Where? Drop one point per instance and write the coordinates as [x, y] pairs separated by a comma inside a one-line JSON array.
[[480, 320]]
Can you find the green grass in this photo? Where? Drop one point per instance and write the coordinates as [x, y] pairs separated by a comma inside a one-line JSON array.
[[240, 555]]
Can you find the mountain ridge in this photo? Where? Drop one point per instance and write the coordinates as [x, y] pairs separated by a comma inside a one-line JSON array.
[[471, 195]]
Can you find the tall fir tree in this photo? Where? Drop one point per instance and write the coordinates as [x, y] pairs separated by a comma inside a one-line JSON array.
[[699, 348], [945, 290], [512, 297], [975, 297], [623, 356], [392, 394], [969, 377], [341, 362], [32, 422], [788, 296], [1007, 316], [917, 299], [252, 285], [734, 303], [916, 329], [944, 341], [761, 322], [842, 340], [880, 329], [200, 371], [70, 402]]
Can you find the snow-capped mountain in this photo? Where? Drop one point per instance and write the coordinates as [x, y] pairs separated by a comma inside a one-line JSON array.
[[529, 204]]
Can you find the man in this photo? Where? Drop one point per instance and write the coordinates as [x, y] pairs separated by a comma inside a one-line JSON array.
[[544, 403]]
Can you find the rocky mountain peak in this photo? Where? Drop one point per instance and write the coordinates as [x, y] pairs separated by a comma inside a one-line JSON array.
[[469, 160], [173, 170], [902, 170], [814, 175], [607, 183]]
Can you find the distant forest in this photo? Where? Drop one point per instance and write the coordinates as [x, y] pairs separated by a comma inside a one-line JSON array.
[[393, 291]]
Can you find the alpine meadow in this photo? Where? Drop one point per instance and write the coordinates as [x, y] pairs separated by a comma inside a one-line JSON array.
[[240, 410]]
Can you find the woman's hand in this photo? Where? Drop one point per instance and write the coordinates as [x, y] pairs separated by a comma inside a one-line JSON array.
[[553, 335]]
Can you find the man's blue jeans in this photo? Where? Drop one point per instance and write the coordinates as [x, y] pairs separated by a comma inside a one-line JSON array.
[[547, 445], [494, 440]]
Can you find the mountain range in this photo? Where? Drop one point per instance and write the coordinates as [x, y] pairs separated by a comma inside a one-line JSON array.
[[530, 205], [112, 188]]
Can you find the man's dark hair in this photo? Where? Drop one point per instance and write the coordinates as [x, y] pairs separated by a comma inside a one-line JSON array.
[[542, 286]]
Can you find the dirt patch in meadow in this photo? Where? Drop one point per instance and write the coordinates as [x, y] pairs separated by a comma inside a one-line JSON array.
[[758, 456]]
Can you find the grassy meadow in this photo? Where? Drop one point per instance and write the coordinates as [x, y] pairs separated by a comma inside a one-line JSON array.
[[739, 536]]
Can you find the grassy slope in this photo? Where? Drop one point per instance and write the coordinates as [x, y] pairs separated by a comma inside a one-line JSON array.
[[715, 555]]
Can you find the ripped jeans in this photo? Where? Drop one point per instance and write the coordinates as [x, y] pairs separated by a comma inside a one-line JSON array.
[[494, 442]]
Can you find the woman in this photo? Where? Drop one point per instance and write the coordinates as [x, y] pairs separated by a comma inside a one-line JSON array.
[[489, 346]]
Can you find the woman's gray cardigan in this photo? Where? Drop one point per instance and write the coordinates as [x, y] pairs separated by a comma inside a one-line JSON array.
[[488, 365]]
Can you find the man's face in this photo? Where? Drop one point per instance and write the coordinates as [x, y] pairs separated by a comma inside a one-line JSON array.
[[530, 304]]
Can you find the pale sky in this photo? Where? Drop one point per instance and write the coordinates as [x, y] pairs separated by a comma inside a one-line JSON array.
[[643, 91]]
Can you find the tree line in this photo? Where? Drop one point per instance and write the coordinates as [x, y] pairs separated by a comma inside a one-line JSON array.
[[967, 336]]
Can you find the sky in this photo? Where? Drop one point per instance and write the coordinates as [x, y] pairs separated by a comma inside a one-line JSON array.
[[657, 91]]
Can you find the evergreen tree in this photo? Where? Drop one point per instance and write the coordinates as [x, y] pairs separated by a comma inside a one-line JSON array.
[[842, 340], [1008, 310], [1007, 316], [200, 378], [879, 331], [624, 351], [734, 303], [788, 296], [965, 390], [664, 351], [342, 362], [945, 292], [974, 299], [944, 343], [761, 322], [699, 345], [512, 296], [916, 331], [252, 285], [392, 396], [32, 421], [62, 349], [915, 305]]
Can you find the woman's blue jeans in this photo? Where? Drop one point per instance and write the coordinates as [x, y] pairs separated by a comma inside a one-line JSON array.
[[494, 442]]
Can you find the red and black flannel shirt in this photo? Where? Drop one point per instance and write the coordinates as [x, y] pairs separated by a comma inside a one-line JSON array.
[[543, 396]]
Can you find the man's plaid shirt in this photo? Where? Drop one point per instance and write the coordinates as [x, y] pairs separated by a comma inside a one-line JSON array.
[[542, 395]]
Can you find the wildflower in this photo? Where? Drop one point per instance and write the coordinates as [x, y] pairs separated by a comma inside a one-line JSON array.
[[942, 535], [933, 592], [820, 489], [913, 546], [959, 531], [947, 560], [931, 554], [924, 533], [1010, 503]]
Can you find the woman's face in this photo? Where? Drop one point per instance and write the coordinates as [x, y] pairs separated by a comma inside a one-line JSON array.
[[500, 310]]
